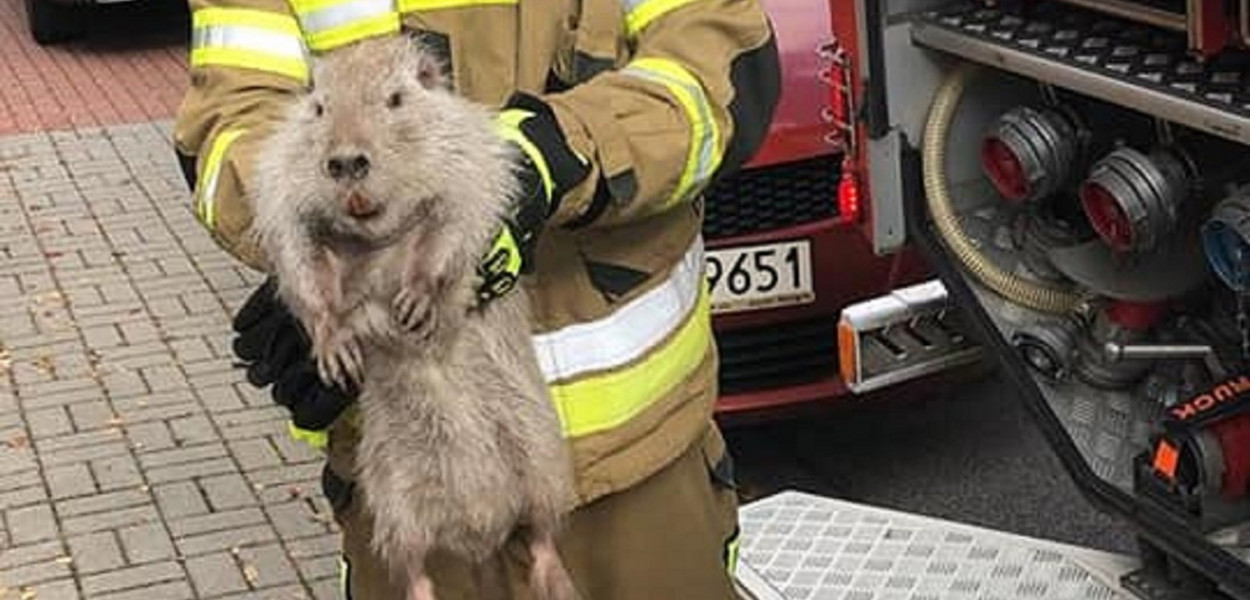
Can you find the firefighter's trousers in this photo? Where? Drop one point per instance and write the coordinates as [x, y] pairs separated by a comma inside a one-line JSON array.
[[671, 537]]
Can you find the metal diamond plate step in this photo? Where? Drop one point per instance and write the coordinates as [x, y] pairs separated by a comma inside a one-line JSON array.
[[798, 546], [1118, 61]]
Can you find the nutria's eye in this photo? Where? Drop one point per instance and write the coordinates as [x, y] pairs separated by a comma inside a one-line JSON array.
[[318, 109], [394, 100]]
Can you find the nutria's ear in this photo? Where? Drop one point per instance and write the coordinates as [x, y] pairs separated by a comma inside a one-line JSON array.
[[430, 71]]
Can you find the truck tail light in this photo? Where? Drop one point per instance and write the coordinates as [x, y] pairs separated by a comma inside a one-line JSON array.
[[848, 194], [1226, 239], [1132, 200], [1029, 153]]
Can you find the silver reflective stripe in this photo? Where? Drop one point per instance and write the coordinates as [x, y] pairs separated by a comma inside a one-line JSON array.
[[703, 164], [630, 332], [242, 37], [346, 13], [632, 5]]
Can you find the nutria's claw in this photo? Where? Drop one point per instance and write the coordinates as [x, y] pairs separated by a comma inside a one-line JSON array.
[[413, 311], [339, 359]]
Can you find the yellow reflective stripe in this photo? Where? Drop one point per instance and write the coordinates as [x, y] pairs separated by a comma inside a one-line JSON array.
[[704, 155], [509, 122], [249, 39], [328, 24], [417, 5], [317, 439], [640, 13], [731, 554], [206, 191], [602, 402]]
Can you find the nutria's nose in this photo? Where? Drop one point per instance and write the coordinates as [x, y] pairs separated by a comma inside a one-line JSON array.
[[354, 166]]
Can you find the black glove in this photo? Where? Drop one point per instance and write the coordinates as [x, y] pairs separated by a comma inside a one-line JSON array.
[[274, 347], [548, 170]]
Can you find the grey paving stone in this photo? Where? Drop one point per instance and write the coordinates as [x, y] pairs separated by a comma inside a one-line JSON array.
[[19, 497], [86, 439], [116, 472], [48, 422], [103, 502], [272, 565], [179, 499], [61, 589], [93, 415], [228, 491], [233, 519], [149, 437], [17, 556], [327, 589], [312, 569], [110, 520], [146, 543], [204, 468], [216, 574], [96, 552], [31, 574], [172, 590], [181, 456], [132, 577], [224, 540], [254, 454], [296, 519], [70, 480], [193, 429], [30, 524]]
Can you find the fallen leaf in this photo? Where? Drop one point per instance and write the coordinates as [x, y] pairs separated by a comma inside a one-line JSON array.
[[250, 573], [294, 491], [18, 441], [115, 422], [28, 594], [65, 560], [46, 365]]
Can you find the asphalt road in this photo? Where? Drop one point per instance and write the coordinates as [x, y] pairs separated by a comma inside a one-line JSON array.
[[972, 455]]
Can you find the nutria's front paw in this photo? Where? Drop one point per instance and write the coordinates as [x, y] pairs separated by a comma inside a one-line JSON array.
[[337, 351], [413, 309]]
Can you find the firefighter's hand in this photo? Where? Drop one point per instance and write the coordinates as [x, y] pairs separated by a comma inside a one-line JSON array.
[[275, 349], [548, 169]]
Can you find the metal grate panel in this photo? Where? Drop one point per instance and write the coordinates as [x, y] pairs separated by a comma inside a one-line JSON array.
[[798, 546], [776, 355], [772, 197], [1120, 61]]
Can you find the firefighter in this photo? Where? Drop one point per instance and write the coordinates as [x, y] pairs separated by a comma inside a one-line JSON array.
[[625, 110]]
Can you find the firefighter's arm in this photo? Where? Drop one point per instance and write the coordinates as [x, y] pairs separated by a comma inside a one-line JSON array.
[[695, 100], [246, 60]]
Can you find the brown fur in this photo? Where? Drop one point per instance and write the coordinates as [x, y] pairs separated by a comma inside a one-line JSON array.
[[460, 446]]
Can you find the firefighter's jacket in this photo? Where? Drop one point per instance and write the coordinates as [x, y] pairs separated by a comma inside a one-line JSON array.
[[658, 96]]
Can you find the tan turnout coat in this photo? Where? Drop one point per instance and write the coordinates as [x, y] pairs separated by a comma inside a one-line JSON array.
[[659, 96]]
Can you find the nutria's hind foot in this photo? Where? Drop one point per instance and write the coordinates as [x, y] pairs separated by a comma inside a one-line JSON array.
[[548, 576]]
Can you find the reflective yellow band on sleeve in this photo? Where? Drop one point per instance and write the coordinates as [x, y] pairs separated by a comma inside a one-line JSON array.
[[328, 24], [704, 153], [640, 13], [316, 439], [206, 189], [509, 126], [603, 373], [407, 6], [248, 39]]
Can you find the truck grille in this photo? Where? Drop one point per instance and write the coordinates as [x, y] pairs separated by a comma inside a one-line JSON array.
[[776, 355], [772, 197]]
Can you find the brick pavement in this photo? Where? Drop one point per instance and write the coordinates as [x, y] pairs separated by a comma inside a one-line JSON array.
[[131, 67], [135, 462]]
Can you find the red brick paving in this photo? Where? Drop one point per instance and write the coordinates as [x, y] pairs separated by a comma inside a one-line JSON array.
[[101, 80]]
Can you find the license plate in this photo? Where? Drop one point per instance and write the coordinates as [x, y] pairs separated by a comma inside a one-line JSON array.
[[764, 276]]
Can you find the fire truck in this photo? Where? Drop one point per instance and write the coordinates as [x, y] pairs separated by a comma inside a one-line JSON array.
[[1058, 187]]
